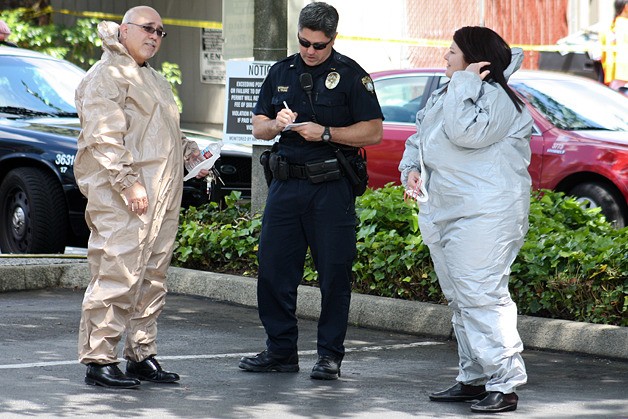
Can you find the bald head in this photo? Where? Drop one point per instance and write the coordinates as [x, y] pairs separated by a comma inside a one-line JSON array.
[[135, 33], [131, 14]]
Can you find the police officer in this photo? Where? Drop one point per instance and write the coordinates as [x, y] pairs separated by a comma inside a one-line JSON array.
[[310, 200]]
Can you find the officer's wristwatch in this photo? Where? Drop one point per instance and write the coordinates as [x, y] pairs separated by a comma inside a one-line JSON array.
[[326, 137]]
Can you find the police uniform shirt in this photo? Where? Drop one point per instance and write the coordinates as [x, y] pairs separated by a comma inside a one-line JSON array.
[[342, 95]]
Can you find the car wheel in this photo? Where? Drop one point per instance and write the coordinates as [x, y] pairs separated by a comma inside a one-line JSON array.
[[33, 212], [593, 195]]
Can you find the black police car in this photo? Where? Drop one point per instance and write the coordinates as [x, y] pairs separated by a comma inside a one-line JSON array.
[[41, 207]]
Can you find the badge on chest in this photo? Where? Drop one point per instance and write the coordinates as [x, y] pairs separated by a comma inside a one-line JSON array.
[[332, 80]]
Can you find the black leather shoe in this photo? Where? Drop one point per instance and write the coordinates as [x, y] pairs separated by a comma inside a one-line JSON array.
[[326, 368], [496, 402], [108, 375], [150, 370], [459, 393], [267, 361]]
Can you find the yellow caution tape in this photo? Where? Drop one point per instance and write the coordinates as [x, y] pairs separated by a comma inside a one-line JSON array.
[[435, 43], [420, 42], [100, 15], [167, 21]]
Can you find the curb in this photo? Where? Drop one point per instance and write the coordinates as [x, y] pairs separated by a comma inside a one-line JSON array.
[[411, 317]]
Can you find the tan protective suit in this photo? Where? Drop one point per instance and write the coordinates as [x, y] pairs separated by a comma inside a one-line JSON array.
[[130, 132]]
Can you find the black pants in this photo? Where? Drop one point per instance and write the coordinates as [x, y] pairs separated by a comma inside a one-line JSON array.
[[299, 214]]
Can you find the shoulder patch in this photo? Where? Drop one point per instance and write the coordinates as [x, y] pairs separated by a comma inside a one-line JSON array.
[[368, 84]]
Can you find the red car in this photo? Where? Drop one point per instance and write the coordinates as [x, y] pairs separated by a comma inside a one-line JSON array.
[[579, 141]]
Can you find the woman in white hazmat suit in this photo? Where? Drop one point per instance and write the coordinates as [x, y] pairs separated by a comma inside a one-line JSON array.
[[129, 165], [472, 142]]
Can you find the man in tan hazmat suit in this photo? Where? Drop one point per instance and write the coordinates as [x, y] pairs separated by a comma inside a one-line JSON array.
[[129, 165]]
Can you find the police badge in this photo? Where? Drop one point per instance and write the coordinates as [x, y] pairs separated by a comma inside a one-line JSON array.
[[332, 80], [368, 84]]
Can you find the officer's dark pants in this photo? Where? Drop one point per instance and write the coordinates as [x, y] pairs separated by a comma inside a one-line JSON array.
[[299, 214]]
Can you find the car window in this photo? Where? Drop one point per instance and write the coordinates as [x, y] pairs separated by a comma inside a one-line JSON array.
[[576, 105], [442, 80], [401, 97], [38, 85]]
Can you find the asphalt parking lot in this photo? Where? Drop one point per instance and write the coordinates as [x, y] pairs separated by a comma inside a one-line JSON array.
[[384, 374]]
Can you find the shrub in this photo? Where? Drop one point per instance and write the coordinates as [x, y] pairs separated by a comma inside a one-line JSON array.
[[392, 260], [218, 240], [572, 266]]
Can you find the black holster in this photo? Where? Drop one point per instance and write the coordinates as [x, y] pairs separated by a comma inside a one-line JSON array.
[[264, 160], [354, 168]]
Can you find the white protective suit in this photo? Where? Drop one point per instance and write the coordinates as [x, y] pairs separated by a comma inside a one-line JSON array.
[[475, 148], [130, 132]]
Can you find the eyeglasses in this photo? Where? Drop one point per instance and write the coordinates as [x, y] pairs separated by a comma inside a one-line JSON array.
[[316, 45], [150, 29]]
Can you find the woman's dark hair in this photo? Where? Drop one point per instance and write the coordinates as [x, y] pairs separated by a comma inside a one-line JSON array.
[[478, 43], [319, 16], [619, 7]]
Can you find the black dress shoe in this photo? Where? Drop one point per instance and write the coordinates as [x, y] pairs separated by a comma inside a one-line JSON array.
[[108, 375], [459, 393], [150, 370], [326, 368], [496, 402], [267, 361]]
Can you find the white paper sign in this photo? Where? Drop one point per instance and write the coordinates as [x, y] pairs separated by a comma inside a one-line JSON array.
[[212, 63], [244, 80]]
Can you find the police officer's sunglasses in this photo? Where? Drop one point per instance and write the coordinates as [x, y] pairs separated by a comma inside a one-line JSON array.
[[316, 45], [150, 29]]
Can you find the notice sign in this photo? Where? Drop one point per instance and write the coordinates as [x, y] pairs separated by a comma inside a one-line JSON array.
[[244, 80], [212, 63]]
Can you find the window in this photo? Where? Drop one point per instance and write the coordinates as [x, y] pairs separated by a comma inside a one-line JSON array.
[[38, 85], [401, 97]]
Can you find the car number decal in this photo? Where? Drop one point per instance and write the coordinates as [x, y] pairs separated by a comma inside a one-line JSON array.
[[63, 161], [557, 148]]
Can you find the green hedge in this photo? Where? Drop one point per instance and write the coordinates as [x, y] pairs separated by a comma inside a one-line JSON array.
[[573, 265]]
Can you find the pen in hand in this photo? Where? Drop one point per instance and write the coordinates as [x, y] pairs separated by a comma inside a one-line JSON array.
[[287, 107]]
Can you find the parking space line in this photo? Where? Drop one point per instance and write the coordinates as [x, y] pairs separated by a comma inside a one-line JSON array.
[[232, 355]]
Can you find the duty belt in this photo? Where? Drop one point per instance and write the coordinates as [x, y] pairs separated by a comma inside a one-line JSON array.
[[316, 172], [297, 171]]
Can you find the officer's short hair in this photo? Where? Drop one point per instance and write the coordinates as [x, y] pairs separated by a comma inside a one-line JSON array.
[[319, 16]]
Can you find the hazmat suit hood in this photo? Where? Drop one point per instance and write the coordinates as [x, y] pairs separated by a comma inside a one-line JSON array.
[[108, 32], [515, 62]]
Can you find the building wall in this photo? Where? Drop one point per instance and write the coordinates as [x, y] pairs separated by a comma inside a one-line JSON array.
[[521, 22]]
